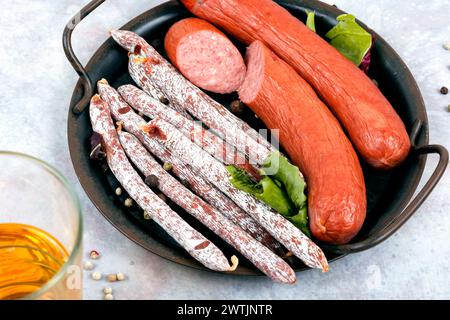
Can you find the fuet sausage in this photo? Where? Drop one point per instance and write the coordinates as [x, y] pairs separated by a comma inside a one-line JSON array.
[[204, 55], [195, 243], [215, 172], [134, 123], [372, 124], [264, 259], [211, 143], [147, 65], [314, 140]]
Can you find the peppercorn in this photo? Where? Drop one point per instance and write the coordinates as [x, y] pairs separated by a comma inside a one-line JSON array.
[[164, 100], [152, 181], [162, 197], [107, 290], [147, 215], [120, 276], [446, 46], [237, 107], [167, 166], [112, 277], [109, 296], [94, 255], [88, 265], [444, 90], [128, 202], [96, 276]]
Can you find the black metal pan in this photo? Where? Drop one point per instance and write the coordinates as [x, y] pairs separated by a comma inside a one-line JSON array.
[[389, 193]]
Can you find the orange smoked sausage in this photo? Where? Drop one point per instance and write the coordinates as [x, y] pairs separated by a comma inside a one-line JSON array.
[[372, 124], [314, 140]]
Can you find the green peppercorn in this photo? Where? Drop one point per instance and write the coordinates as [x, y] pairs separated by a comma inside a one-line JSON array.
[[167, 166]]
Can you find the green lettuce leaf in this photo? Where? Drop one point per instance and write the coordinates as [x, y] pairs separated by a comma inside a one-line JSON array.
[[350, 39], [310, 20], [280, 169], [282, 188], [300, 220], [265, 190]]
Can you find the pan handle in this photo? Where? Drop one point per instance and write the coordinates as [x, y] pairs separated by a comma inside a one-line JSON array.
[[87, 86], [392, 227]]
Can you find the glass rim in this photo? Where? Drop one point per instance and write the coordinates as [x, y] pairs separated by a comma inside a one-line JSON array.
[[75, 201]]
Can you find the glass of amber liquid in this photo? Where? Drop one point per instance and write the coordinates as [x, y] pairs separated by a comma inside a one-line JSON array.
[[40, 232]]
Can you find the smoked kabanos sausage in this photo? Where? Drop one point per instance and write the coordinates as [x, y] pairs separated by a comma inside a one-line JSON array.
[[195, 243], [372, 124], [215, 172], [264, 259], [314, 140], [134, 123], [205, 55]]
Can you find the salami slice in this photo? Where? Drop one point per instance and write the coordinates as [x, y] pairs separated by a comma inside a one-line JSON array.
[[215, 172], [194, 242], [205, 55], [265, 260]]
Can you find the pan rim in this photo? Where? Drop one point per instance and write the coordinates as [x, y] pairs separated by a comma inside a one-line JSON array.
[[153, 13]]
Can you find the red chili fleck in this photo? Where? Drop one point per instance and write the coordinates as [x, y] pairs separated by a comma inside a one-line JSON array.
[[124, 110], [137, 49], [202, 245], [154, 131]]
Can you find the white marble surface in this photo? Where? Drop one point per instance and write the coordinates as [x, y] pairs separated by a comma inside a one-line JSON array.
[[36, 83]]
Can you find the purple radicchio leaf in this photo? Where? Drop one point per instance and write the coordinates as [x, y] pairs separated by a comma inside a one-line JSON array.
[[365, 63]]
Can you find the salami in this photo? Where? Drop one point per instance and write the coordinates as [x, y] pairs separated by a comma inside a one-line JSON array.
[[214, 172], [151, 89], [211, 143], [204, 55], [314, 140], [149, 65], [195, 243], [265, 260], [134, 123], [374, 127]]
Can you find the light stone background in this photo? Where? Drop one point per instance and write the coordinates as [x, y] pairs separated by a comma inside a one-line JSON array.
[[36, 84]]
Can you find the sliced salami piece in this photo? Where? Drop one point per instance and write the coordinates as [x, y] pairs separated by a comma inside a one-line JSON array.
[[264, 259], [205, 55], [194, 242], [215, 172], [134, 124]]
